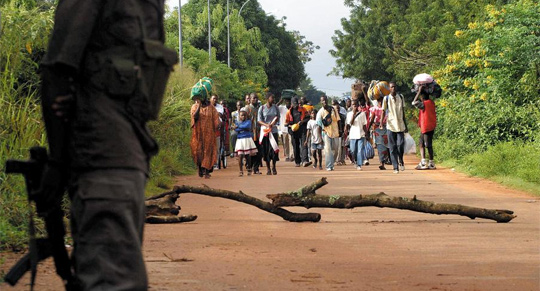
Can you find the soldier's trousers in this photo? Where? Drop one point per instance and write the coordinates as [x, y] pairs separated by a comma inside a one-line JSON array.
[[107, 221]]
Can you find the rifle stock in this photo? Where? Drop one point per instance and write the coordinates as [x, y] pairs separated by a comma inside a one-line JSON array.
[[33, 170], [24, 265]]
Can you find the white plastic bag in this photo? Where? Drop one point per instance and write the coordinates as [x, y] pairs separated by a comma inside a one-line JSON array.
[[410, 145], [422, 79]]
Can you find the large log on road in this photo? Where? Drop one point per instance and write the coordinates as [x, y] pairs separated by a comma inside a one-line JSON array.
[[306, 197], [162, 208], [241, 197]]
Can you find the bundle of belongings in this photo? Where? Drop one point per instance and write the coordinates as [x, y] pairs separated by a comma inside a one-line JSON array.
[[287, 94], [202, 89], [378, 89], [356, 90], [430, 87]]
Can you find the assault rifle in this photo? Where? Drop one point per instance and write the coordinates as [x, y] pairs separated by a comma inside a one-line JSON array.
[[48, 208]]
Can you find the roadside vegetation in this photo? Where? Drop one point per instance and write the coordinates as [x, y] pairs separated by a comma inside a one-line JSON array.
[[486, 56], [255, 67]]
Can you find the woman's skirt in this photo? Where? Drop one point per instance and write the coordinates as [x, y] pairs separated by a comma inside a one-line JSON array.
[[245, 146], [268, 152]]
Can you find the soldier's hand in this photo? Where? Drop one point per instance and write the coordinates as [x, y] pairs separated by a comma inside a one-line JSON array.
[[63, 106]]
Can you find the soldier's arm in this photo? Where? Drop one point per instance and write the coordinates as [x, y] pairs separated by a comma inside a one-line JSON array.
[[57, 98], [73, 26]]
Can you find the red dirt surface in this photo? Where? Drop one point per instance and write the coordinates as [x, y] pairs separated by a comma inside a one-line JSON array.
[[234, 246]]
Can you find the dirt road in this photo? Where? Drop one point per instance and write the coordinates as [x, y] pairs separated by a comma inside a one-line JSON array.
[[233, 246]]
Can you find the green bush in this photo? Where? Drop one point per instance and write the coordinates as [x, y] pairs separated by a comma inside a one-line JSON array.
[[172, 132], [492, 86]]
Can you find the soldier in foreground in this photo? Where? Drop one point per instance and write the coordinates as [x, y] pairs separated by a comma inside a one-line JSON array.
[[103, 78]]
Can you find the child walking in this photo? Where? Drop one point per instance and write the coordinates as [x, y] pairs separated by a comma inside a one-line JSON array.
[[427, 120], [314, 136], [245, 147]]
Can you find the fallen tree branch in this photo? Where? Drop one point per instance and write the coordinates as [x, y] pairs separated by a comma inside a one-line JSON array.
[[241, 197], [163, 205], [165, 210], [310, 199], [170, 219]]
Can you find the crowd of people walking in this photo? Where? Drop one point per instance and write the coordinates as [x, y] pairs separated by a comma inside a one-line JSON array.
[[351, 129]]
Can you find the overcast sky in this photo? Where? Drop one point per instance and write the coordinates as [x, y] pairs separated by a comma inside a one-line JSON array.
[[316, 20]]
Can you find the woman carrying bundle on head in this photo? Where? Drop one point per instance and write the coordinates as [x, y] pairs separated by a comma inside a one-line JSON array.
[[204, 124]]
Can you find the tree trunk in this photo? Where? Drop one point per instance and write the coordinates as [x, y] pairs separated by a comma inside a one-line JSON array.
[[165, 210], [306, 197], [162, 208], [241, 197]]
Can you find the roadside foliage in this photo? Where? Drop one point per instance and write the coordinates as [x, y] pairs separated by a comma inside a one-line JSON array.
[[486, 56], [24, 30]]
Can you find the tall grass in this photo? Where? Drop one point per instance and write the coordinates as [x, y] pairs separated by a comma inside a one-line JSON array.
[[23, 36], [514, 164], [173, 132]]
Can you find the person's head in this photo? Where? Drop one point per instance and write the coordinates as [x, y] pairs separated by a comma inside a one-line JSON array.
[[362, 102], [254, 99], [270, 98], [303, 100], [223, 103], [393, 88], [247, 99], [294, 102], [335, 103], [196, 98], [313, 114], [348, 103], [355, 103], [243, 115], [214, 99], [288, 103], [424, 96], [239, 104], [324, 100]]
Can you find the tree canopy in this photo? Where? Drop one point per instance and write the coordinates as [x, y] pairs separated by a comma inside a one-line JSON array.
[[394, 39], [262, 41], [484, 53]]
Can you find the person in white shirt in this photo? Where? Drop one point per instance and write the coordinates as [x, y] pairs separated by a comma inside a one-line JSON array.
[[314, 139], [396, 125], [357, 124], [284, 130]]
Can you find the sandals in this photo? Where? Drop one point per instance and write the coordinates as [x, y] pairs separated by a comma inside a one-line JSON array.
[[241, 174]]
